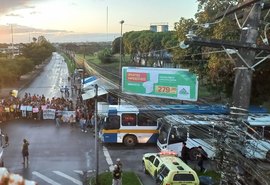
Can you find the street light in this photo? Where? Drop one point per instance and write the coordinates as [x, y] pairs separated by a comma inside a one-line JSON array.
[[96, 134], [120, 62]]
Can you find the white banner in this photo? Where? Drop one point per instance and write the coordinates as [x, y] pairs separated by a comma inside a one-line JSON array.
[[66, 116], [49, 114]]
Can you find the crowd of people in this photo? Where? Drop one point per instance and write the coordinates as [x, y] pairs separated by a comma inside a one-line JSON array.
[[31, 106]]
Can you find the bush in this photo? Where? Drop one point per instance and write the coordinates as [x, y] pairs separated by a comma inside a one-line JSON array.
[[105, 56]]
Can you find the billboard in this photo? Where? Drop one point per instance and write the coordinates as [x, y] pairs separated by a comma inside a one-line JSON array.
[[168, 83]]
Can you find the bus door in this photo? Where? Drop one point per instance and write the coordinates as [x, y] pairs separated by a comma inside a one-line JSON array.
[[177, 135]]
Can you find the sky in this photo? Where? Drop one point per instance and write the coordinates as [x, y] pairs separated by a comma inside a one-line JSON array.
[[86, 20]]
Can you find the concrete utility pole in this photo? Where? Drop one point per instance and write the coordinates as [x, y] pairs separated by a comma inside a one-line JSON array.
[[243, 74], [236, 133]]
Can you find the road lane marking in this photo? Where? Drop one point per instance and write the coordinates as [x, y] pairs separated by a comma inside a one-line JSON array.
[[108, 158], [68, 177], [82, 172], [47, 179]]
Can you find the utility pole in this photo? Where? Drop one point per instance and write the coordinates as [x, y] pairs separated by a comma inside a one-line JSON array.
[[12, 45], [243, 74], [96, 135], [120, 62]]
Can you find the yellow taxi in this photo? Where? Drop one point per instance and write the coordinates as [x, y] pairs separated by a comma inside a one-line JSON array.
[[168, 169]]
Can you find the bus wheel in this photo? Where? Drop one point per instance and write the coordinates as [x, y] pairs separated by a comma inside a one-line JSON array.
[[193, 152], [130, 140]]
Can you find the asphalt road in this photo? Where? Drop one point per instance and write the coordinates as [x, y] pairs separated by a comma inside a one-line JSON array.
[[63, 155]]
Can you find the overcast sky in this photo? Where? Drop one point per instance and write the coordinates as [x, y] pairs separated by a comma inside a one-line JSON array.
[[65, 19]]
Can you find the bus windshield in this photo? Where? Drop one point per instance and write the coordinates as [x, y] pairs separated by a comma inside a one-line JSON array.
[[171, 134]]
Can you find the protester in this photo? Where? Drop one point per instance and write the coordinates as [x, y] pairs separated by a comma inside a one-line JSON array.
[[58, 121], [25, 152], [116, 176], [119, 164], [83, 124]]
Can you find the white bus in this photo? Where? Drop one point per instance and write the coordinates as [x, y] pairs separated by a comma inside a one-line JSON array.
[[126, 124], [203, 130]]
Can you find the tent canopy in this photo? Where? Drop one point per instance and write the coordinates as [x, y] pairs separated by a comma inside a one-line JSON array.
[[100, 82], [92, 93], [88, 79]]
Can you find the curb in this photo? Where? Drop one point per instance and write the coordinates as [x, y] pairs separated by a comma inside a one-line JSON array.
[[139, 179]]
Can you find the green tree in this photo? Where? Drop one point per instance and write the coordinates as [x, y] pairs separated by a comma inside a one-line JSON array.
[[105, 56], [116, 45], [38, 51]]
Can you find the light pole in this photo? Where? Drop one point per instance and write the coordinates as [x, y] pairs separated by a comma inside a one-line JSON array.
[[96, 134], [120, 62]]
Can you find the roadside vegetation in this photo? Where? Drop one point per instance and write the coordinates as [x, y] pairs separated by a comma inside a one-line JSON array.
[[32, 54], [128, 178], [70, 63]]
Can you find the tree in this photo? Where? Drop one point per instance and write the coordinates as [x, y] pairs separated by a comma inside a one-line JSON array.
[[116, 45], [38, 51], [105, 56]]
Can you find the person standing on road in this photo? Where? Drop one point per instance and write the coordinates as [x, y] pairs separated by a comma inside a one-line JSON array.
[[25, 152], [184, 152], [120, 168], [119, 164], [201, 156], [116, 176], [83, 123], [58, 120]]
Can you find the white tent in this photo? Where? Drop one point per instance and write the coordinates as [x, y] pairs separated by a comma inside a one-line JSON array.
[[92, 93]]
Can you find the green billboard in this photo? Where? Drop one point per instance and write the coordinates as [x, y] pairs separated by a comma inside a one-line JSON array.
[[160, 82]]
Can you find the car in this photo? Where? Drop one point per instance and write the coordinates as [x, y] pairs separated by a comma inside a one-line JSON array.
[[167, 168]]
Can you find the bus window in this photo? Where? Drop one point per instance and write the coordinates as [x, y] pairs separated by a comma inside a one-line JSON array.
[[112, 122], [146, 120], [178, 134], [129, 119]]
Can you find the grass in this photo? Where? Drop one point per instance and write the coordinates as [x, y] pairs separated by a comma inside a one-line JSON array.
[[70, 63], [128, 178]]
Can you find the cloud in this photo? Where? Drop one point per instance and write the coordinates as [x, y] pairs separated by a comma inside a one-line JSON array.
[[14, 15], [34, 12], [11, 5], [20, 29]]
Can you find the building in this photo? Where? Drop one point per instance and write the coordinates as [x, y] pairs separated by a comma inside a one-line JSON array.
[[159, 27]]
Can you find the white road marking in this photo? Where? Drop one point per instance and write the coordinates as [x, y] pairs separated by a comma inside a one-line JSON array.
[[81, 172], [108, 158], [68, 177], [47, 179]]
